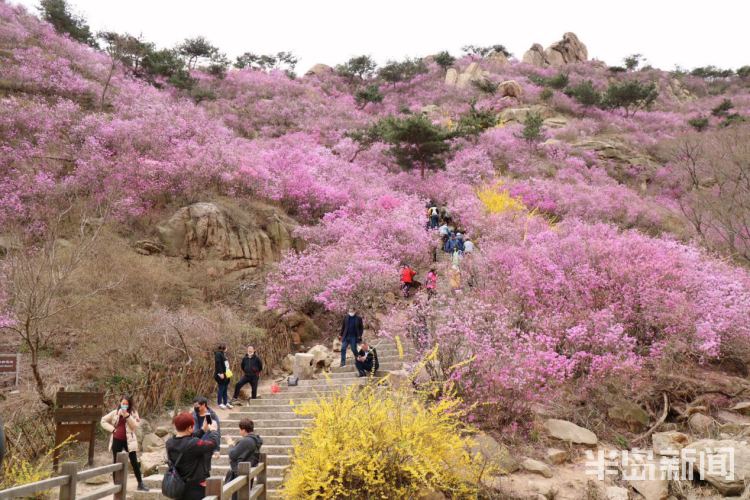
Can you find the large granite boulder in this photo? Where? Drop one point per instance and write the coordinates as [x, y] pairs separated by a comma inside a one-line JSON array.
[[535, 56], [568, 50], [451, 76], [319, 70], [511, 88], [497, 58]]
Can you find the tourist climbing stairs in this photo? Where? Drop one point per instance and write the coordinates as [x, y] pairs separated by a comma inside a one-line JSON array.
[[276, 422]]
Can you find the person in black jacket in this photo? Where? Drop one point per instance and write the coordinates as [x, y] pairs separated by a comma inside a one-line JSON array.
[[367, 360], [251, 367], [352, 329], [191, 452], [221, 365]]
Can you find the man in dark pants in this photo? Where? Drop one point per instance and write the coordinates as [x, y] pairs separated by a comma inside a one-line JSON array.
[[352, 329], [367, 360], [251, 367]]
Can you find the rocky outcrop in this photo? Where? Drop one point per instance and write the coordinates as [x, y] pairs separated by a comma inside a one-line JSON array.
[[205, 231], [497, 58], [319, 70], [451, 76], [535, 56], [570, 432], [566, 51], [519, 114], [675, 89]]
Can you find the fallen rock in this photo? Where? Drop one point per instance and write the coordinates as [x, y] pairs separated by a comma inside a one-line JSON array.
[[669, 443], [304, 365], [556, 456], [288, 363], [570, 432], [150, 461], [536, 467], [548, 489], [494, 453], [628, 414], [732, 482], [700, 422], [319, 70], [637, 475], [511, 88], [616, 493], [319, 354], [161, 431], [147, 247], [152, 442], [742, 408]]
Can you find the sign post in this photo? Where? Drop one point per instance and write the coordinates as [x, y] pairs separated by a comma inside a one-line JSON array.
[[10, 363], [76, 415]]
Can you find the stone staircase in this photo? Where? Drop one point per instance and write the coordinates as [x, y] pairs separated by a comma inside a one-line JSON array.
[[276, 422]]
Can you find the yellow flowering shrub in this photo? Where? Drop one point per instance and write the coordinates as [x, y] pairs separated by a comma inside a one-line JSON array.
[[373, 442], [18, 471], [497, 199]]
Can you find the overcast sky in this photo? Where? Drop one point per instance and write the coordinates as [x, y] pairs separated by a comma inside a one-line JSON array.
[[667, 32]]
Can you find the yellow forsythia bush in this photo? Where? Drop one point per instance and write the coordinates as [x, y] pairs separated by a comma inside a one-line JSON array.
[[497, 199], [371, 442]]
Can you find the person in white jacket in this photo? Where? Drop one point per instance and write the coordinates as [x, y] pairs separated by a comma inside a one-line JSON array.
[[122, 425]]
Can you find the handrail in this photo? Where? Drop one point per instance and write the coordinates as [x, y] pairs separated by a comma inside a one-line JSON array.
[[70, 478], [216, 489]]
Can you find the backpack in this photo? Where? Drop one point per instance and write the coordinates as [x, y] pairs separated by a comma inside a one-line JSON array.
[[173, 485]]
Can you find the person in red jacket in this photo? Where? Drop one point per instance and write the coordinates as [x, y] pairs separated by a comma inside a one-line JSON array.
[[407, 276]]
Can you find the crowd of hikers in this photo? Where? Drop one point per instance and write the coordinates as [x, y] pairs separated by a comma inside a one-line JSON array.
[[197, 437]]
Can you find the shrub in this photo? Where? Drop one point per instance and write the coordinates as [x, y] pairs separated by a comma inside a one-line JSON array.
[[699, 123], [559, 81], [722, 109], [497, 199], [485, 86], [476, 121], [632, 61], [532, 128], [631, 96], [732, 119], [370, 94], [444, 59], [585, 94], [546, 95], [360, 67], [386, 444]]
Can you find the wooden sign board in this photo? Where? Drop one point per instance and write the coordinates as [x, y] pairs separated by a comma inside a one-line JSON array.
[[76, 416], [10, 363]]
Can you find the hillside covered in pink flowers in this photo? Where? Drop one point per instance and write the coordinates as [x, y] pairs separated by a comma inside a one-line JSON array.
[[612, 232]]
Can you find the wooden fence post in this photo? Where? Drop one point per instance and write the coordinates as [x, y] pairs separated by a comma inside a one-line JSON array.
[[215, 487], [244, 469], [121, 476], [68, 491], [263, 475]]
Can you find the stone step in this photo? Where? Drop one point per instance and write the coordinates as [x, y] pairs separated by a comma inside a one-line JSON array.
[[336, 382], [275, 475], [282, 415], [384, 367], [275, 450], [271, 459], [262, 424], [270, 431], [271, 440]]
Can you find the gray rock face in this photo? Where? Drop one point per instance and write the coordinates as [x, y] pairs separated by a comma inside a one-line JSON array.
[[234, 238], [570, 432]]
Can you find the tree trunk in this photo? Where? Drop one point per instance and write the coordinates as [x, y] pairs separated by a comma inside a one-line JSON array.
[[40, 387], [106, 86]]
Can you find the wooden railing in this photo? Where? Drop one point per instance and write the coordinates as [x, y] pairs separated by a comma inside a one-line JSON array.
[[70, 477], [242, 484]]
